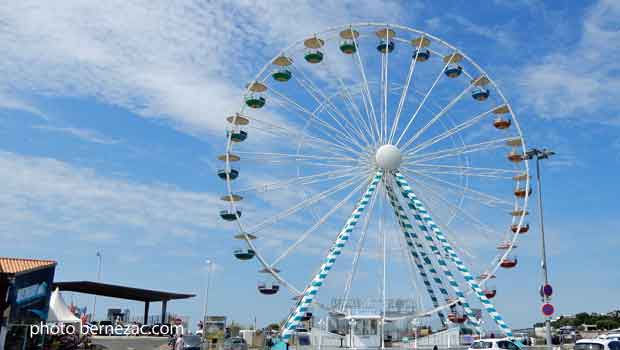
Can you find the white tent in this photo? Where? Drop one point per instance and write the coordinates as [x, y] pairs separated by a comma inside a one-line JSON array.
[[59, 311]]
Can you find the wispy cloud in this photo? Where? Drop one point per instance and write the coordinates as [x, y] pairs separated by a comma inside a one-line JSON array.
[[10, 102], [43, 197], [494, 34], [185, 61], [82, 134], [580, 81]]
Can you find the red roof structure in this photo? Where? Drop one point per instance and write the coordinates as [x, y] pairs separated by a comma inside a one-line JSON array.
[[16, 266]]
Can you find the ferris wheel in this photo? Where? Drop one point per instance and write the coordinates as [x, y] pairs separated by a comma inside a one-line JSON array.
[[382, 155]]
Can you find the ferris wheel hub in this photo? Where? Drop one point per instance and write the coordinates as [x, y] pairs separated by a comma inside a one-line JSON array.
[[388, 157]]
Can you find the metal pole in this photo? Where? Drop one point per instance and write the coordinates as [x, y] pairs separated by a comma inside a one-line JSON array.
[[543, 248], [204, 321], [98, 280]]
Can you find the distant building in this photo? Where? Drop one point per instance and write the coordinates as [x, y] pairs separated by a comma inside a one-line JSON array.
[[615, 314]]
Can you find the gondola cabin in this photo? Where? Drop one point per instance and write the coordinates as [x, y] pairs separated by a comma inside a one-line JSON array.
[[386, 45], [282, 73], [244, 254], [230, 215], [254, 99], [238, 119], [348, 47], [519, 212], [229, 174], [522, 192], [307, 316], [313, 54], [501, 123], [455, 317], [453, 71], [265, 289], [508, 263], [523, 229], [237, 135], [349, 37], [421, 55], [484, 276], [515, 157], [480, 93], [490, 293], [505, 246]]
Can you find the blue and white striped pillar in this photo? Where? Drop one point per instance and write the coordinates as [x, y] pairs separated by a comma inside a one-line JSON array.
[[313, 288], [423, 216]]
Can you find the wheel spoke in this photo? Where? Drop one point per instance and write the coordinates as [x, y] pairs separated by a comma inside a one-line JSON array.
[[415, 114], [456, 151], [482, 197], [403, 96], [443, 135], [438, 116], [366, 89], [301, 180], [318, 224], [303, 204]]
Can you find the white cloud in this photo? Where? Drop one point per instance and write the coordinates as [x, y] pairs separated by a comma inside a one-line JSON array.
[[490, 33], [580, 82], [43, 197], [186, 61], [82, 134]]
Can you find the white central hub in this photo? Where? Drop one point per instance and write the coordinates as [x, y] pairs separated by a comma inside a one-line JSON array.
[[388, 157]]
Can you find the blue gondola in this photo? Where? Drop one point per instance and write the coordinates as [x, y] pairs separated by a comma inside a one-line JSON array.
[[244, 254], [480, 93], [383, 46], [229, 215], [237, 136], [423, 55], [232, 173], [453, 71]]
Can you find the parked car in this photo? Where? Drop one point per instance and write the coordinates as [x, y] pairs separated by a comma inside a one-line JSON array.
[[597, 344], [237, 343], [496, 344], [192, 342]]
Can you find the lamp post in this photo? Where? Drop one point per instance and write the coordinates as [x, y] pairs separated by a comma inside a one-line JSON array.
[[542, 154], [204, 321], [99, 260]]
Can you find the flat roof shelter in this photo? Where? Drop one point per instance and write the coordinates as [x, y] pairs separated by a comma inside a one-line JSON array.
[[122, 292]]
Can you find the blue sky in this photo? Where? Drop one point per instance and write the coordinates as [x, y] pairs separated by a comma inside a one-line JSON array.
[[112, 115]]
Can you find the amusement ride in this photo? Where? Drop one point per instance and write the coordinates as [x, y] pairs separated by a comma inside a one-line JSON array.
[[385, 158]]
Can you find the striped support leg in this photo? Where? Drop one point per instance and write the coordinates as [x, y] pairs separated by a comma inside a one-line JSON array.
[[424, 216], [313, 288], [413, 243]]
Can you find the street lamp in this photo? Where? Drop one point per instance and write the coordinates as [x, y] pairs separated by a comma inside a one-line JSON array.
[[542, 154], [99, 257], [204, 321]]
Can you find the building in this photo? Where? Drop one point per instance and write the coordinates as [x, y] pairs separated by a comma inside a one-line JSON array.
[[25, 289]]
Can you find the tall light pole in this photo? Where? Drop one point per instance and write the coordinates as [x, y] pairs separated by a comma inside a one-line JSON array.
[[204, 320], [542, 154], [99, 260]]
